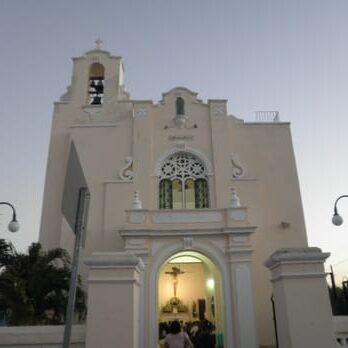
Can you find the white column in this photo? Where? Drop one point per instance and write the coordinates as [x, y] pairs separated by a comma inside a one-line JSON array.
[[303, 310], [114, 289]]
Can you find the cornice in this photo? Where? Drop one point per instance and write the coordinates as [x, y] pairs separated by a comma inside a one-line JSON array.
[[184, 89], [296, 255], [172, 232], [102, 260]]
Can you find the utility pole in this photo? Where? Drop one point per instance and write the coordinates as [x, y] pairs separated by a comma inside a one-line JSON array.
[[333, 283]]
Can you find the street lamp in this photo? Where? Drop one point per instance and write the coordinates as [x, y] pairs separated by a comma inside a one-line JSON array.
[[13, 226], [337, 219]]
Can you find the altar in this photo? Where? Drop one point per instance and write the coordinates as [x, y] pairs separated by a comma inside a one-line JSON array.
[[167, 317]]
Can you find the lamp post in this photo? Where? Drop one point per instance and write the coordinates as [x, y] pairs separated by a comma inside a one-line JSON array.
[[337, 219], [13, 226]]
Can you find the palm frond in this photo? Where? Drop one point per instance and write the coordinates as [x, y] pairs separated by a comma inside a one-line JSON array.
[[34, 286]]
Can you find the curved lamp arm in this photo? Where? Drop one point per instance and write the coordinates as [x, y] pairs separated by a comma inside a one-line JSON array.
[[337, 219], [13, 226]]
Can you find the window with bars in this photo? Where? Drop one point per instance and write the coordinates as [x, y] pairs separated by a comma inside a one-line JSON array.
[[183, 183]]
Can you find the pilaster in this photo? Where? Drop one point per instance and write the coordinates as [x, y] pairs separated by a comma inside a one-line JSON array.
[[240, 257], [142, 143], [220, 148], [303, 311], [114, 287]]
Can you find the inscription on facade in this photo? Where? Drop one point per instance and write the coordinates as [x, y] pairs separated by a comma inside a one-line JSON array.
[[181, 137], [140, 112]]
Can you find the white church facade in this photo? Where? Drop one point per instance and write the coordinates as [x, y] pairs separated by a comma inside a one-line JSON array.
[[180, 203]]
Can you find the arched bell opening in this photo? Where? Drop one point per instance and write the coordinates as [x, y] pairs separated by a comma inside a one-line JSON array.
[[96, 84], [180, 106], [190, 290]]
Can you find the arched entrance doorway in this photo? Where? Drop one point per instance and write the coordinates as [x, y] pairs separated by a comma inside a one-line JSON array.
[[190, 290]]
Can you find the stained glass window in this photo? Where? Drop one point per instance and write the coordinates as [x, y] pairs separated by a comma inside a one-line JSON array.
[[201, 194], [183, 183], [166, 200], [190, 194], [177, 194]]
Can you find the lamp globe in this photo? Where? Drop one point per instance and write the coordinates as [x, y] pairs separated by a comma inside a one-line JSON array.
[[13, 226], [337, 220]]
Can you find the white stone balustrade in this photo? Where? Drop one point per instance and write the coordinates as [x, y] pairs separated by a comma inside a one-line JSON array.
[[341, 330], [229, 217]]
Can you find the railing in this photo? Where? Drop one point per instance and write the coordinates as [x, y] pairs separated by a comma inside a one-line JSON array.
[[267, 116], [341, 330], [342, 340]]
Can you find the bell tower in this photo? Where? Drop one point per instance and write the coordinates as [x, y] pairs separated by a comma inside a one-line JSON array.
[[97, 79], [90, 102]]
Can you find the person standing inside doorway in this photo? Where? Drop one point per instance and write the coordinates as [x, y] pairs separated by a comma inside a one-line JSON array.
[[177, 338]]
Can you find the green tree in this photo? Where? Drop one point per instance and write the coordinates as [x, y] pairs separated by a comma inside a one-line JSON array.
[[34, 286], [339, 301]]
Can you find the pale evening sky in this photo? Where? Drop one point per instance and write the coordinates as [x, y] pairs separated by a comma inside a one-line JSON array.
[[285, 55]]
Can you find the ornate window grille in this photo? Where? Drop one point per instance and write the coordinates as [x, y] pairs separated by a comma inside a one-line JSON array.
[[183, 183]]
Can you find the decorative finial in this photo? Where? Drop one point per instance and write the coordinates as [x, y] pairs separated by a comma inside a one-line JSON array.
[[99, 43], [136, 204], [235, 201]]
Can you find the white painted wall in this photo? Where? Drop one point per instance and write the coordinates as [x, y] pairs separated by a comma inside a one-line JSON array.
[[145, 131], [40, 336]]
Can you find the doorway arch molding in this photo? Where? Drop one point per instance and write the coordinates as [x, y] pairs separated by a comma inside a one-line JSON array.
[[217, 256]]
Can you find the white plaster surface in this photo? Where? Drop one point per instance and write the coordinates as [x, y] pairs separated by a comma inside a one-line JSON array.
[[186, 217], [245, 307], [40, 336], [139, 128]]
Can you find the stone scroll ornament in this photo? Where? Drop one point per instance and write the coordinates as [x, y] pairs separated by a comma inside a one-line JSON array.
[[238, 170], [126, 173]]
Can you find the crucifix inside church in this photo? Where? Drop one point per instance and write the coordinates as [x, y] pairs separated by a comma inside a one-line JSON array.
[[174, 273]]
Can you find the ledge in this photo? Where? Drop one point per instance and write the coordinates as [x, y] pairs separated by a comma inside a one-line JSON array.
[[296, 255], [267, 123], [95, 125], [118, 181], [171, 232], [114, 260], [227, 217]]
